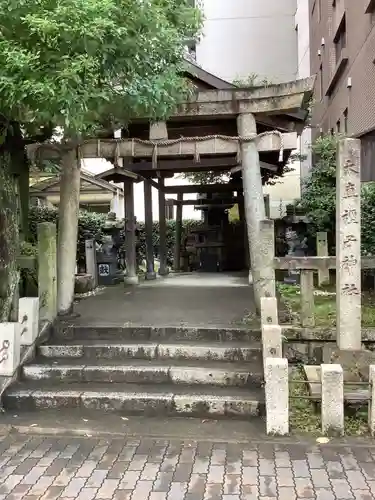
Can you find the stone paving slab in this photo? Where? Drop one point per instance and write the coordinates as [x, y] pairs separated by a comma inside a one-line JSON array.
[[195, 299], [48, 468]]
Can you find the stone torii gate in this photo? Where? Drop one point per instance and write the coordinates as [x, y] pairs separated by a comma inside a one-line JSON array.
[[255, 129]]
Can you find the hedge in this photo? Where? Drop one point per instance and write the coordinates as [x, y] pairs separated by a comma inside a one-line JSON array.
[[90, 226]]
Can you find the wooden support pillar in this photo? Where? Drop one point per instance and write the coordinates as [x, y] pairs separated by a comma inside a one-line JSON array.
[[163, 269], [254, 200], [131, 277], [178, 233], [150, 264], [68, 231]]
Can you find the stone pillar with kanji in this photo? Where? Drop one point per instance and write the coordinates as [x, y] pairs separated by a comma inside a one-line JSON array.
[[348, 244]]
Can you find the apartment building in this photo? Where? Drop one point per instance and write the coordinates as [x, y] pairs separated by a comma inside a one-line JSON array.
[[342, 48]]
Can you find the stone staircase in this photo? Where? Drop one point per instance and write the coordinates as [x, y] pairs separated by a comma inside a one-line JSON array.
[[195, 372]]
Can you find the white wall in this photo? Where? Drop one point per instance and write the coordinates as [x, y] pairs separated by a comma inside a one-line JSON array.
[[303, 31], [96, 166], [243, 37], [247, 37]]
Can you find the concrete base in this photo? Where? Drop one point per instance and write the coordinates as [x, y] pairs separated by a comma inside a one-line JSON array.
[[164, 273], [150, 276], [131, 280]]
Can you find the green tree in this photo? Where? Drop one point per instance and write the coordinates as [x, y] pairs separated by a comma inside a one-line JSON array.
[[319, 191], [80, 65], [319, 196]]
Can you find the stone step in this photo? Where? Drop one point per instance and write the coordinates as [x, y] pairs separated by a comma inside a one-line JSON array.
[[145, 400], [133, 349], [186, 372], [146, 333]]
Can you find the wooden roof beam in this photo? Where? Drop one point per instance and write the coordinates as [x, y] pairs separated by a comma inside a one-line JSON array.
[[203, 188]]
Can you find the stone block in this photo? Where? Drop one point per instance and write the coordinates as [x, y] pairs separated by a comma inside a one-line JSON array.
[[10, 348], [29, 318], [277, 396], [268, 309], [271, 342], [371, 407], [158, 131], [332, 379]]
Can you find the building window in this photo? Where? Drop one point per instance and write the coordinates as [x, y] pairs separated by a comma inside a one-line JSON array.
[[346, 121], [370, 6], [320, 83], [332, 132], [338, 127], [340, 40]]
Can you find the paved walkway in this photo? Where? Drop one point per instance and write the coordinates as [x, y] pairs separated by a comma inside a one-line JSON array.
[[194, 300], [47, 468]]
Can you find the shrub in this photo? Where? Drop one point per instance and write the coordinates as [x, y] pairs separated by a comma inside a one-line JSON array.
[[90, 226], [319, 197]]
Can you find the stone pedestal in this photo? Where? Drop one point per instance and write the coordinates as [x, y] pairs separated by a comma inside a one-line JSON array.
[[10, 348], [29, 319], [348, 244]]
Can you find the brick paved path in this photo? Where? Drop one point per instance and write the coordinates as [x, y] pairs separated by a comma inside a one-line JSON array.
[[48, 468]]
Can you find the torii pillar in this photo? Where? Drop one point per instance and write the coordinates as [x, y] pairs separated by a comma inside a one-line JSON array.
[[254, 206]]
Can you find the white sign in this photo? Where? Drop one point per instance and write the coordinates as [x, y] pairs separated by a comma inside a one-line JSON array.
[[103, 269]]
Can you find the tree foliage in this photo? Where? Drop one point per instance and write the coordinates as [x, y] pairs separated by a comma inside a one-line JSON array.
[[77, 66], [75, 63], [319, 196], [319, 191]]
